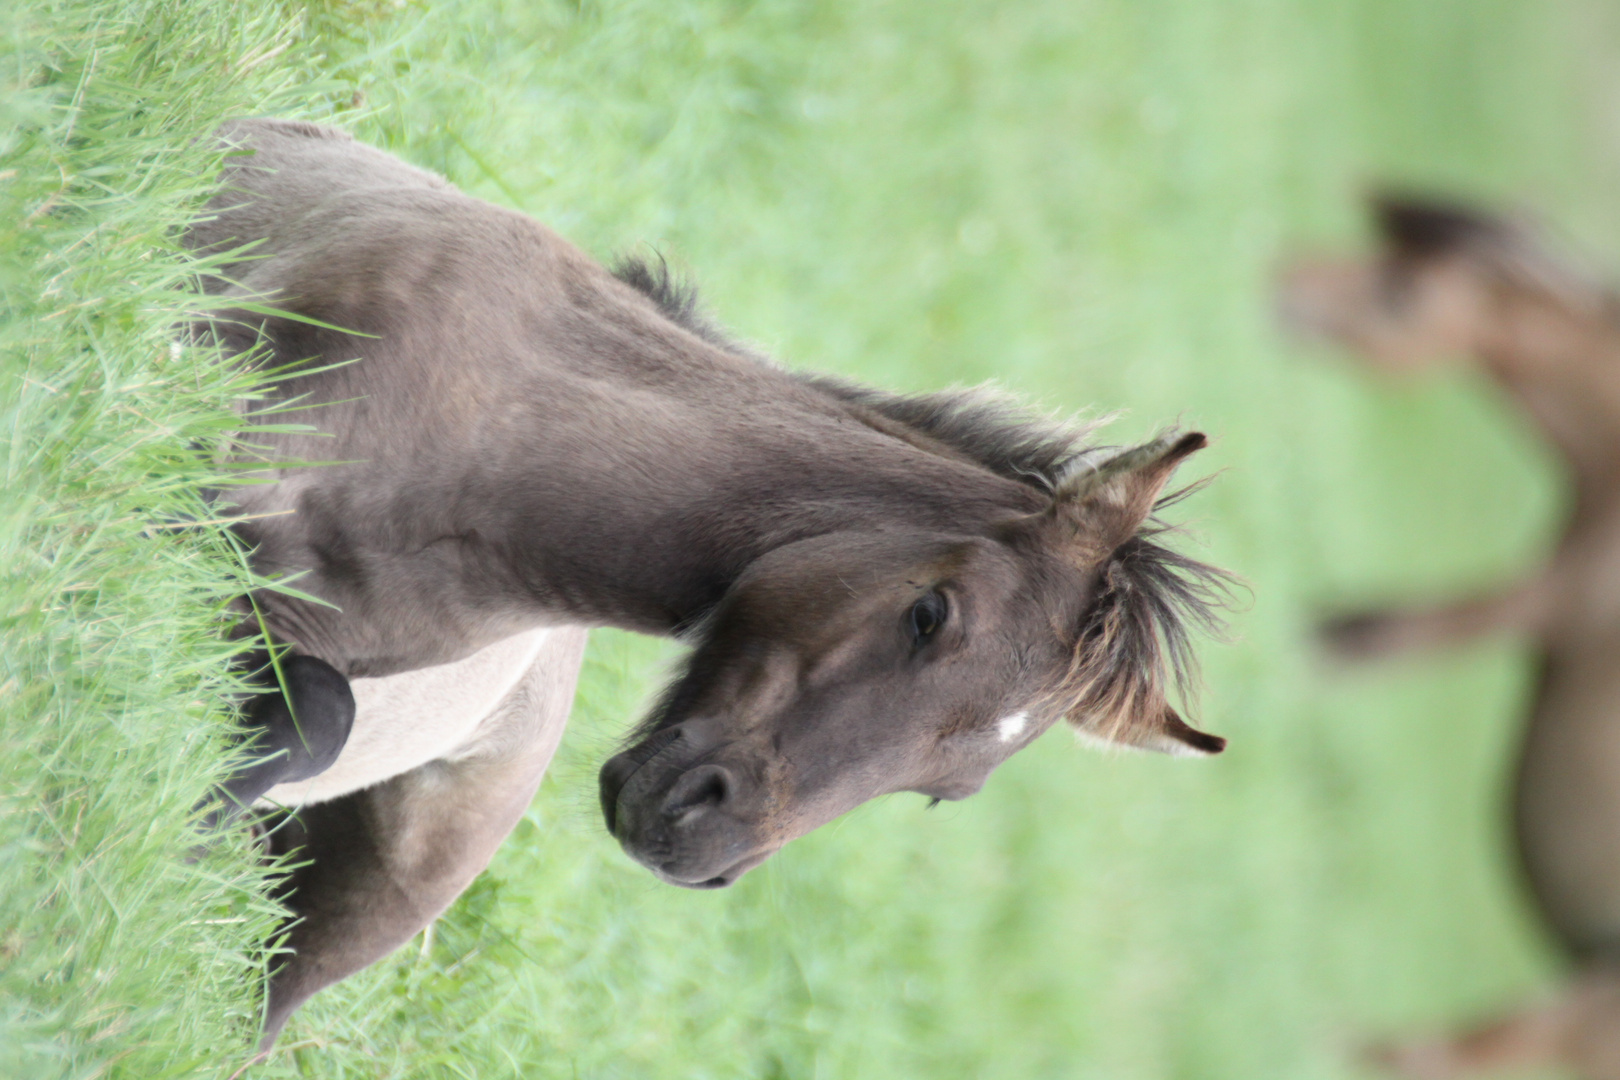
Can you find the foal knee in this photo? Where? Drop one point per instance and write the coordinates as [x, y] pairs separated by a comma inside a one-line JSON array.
[[294, 731]]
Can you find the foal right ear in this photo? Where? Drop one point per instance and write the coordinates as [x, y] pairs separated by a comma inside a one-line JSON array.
[[1107, 504]]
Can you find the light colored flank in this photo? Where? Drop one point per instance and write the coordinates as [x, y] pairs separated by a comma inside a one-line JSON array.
[[1012, 726], [403, 721]]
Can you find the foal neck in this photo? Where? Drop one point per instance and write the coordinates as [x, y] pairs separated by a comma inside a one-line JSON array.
[[738, 480]]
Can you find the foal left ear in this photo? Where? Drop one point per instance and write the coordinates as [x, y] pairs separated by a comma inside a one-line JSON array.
[[1111, 501], [1169, 734], [1137, 716]]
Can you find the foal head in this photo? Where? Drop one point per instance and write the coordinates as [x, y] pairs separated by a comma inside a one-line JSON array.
[[857, 664]]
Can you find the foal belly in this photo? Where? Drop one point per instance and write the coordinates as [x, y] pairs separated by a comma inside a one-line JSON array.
[[403, 721]]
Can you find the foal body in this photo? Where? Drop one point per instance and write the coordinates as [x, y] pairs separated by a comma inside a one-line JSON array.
[[1452, 284], [875, 585]]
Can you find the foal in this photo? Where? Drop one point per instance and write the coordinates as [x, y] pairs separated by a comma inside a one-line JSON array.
[[1453, 286], [883, 593]]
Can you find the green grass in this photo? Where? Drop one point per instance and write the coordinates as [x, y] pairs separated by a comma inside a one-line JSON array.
[[1083, 201], [117, 955]]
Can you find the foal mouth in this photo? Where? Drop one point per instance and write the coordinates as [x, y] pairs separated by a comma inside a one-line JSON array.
[[724, 879], [618, 770]]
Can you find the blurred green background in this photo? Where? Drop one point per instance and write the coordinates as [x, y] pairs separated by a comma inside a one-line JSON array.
[[1085, 202]]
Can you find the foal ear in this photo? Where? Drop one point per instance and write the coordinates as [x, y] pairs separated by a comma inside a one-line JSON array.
[[1173, 735], [1161, 729], [1110, 501]]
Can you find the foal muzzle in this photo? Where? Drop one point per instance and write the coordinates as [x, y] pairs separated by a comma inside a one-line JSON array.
[[679, 812]]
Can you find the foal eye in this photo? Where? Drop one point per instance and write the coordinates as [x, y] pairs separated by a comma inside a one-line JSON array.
[[926, 617]]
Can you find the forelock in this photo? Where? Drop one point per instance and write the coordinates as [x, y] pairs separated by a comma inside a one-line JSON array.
[[1132, 645]]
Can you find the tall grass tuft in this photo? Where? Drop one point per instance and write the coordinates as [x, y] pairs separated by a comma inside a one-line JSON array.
[[122, 953]]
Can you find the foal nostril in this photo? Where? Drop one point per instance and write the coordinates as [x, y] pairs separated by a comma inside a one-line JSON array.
[[702, 788]]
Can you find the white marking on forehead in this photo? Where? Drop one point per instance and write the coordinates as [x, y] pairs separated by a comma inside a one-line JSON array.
[[1012, 726]]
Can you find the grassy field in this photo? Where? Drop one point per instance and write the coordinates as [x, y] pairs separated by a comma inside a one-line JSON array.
[[1082, 201]]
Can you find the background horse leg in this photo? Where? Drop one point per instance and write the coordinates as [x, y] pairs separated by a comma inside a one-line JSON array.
[[1578, 1030], [293, 735], [385, 861], [1525, 1039], [1365, 635]]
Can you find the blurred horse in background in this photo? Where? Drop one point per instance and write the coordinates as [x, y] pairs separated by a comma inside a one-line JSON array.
[[1452, 285]]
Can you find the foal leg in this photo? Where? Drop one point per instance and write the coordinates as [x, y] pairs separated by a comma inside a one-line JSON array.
[[384, 862], [1367, 635], [295, 730]]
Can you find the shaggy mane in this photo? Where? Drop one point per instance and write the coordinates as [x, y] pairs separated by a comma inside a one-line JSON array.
[[678, 300], [988, 425]]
